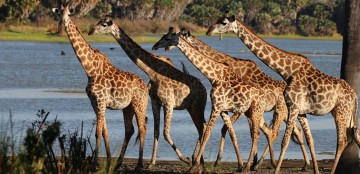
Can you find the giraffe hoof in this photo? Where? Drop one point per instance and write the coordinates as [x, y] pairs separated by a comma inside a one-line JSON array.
[[240, 169], [151, 166], [243, 170], [195, 169], [255, 168], [139, 168], [95, 166], [187, 161], [217, 163], [304, 168], [274, 164]]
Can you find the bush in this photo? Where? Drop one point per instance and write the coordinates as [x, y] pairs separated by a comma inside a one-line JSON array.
[[36, 154]]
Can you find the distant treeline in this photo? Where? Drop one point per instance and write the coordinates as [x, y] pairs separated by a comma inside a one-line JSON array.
[[304, 17]]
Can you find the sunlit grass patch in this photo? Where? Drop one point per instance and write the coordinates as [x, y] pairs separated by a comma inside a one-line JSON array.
[[35, 36]]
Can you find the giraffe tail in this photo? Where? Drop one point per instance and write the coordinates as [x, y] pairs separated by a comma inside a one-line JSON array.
[[137, 139], [184, 68], [356, 136], [294, 139]]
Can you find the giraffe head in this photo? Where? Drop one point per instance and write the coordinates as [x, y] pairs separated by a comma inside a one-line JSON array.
[[105, 25], [170, 40], [63, 13], [224, 24]]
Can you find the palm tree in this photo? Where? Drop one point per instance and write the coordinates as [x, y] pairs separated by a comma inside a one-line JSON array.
[[350, 71]]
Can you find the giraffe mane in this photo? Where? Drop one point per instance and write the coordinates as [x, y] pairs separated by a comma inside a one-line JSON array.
[[222, 63], [304, 58]]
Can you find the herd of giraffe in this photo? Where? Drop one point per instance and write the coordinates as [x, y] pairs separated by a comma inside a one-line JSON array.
[[238, 86]]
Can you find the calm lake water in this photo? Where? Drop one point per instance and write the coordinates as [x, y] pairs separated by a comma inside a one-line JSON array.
[[36, 76]]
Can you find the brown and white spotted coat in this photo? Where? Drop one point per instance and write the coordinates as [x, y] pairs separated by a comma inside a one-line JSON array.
[[249, 71], [308, 90], [108, 87], [229, 94], [169, 87]]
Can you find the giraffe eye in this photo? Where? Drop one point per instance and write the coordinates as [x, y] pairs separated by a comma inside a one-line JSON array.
[[104, 24]]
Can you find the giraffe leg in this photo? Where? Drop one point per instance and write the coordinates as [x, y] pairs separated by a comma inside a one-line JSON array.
[[231, 131], [128, 114], [156, 114], [299, 137], [167, 122], [306, 128], [140, 105], [224, 129], [255, 135], [105, 135], [275, 131], [100, 118], [340, 114], [197, 115], [270, 139], [280, 114], [196, 168], [293, 113]]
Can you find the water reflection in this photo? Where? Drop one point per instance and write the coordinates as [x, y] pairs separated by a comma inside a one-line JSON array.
[[39, 76]]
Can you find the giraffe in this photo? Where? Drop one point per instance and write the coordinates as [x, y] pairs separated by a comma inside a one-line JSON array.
[[169, 87], [249, 71], [308, 90], [108, 87], [229, 94]]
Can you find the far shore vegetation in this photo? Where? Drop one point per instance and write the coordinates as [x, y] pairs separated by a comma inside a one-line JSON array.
[[140, 31]]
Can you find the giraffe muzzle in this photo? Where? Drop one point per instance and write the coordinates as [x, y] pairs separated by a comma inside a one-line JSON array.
[[155, 47], [209, 32], [91, 32]]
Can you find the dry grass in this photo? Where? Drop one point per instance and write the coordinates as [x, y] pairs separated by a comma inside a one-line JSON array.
[[133, 27], [45, 28]]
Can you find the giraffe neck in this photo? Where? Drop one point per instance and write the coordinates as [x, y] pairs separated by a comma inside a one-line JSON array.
[[83, 51], [148, 62], [284, 63], [205, 49], [212, 70]]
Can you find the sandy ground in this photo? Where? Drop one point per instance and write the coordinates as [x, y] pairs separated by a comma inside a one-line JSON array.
[[176, 167]]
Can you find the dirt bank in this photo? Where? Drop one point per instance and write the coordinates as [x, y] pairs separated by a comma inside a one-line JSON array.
[[176, 167]]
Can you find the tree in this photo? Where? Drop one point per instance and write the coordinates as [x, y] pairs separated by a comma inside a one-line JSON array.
[[20, 9], [350, 71]]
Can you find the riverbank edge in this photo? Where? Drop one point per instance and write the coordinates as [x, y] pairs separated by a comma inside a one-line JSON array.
[[294, 166], [31, 36]]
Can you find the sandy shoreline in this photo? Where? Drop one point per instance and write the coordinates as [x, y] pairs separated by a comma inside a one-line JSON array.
[[177, 167]]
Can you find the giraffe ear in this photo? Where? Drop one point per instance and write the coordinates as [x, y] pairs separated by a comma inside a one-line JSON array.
[[171, 29], [55, 10], [72, 12], [188, 33], [182, 30], [231, 18]]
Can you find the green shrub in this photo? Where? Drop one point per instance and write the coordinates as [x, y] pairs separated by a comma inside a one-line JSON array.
[[36, 154]]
